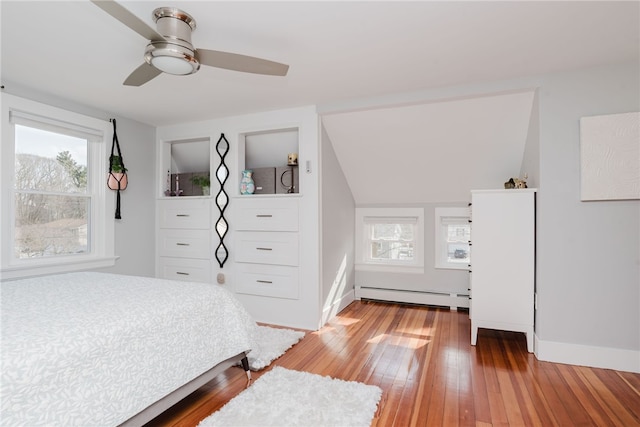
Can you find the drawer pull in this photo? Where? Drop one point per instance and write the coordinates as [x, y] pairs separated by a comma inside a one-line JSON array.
[[264, 281], [264, 216], [181, 273], [264, 249], [182, 215], [183, 244]]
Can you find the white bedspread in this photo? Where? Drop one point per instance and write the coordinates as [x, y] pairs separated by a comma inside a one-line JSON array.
[[94, 349]]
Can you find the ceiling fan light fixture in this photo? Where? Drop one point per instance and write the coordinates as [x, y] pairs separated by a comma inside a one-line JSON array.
[[171, 58], [170, 49]]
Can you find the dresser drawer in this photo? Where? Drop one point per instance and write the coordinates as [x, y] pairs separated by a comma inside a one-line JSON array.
[[265, 214], [267, 247], [185, 213], [267, 280], [193, 270], [184, 243]]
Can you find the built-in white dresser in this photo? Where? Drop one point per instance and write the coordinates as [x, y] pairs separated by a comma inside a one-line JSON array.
[[184, 239], [267, 246]]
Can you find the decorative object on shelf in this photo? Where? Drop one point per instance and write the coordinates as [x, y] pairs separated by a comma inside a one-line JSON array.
[[117, 179], [167, 191], [202, 181], [510, 184], [288, 179], [516, 183], [178, 191], [222, 200], [292, 159], [247, 186], [264, 180]]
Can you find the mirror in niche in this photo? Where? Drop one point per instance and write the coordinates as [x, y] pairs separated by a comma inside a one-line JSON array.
[[189, 168]]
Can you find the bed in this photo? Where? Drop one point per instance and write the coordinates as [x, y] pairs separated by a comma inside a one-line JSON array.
[[105, 350]]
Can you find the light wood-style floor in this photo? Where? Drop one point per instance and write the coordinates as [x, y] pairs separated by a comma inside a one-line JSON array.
[[431, 376]]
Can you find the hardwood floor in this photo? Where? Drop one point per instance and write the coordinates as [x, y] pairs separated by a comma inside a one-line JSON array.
[[431, 375]]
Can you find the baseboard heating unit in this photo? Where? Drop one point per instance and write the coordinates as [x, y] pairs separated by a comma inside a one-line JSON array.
[[451, 300]]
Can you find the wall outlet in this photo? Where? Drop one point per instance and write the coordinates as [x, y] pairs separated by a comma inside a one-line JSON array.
[[220, 278]]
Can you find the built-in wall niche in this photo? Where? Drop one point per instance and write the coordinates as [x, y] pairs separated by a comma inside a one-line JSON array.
[[184, 160], [266, 153]]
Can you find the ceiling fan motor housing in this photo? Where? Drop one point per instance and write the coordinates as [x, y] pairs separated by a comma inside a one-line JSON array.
[[174, 55]]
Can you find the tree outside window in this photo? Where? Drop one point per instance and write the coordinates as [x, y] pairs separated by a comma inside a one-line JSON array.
[[51, 200]]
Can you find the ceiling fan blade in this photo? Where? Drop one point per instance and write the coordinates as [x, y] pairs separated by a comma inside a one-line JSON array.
[[236, 62], [141, 75], [129, 19]]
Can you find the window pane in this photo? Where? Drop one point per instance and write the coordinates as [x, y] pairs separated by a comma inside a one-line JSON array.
[[458, 236], [458, 252], [397, 251], [49, 225], [458, 233], [392, 232], [49, 161]]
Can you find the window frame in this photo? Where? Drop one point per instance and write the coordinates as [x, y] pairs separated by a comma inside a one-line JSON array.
[[441, 260], [101, 251], [362, 261]]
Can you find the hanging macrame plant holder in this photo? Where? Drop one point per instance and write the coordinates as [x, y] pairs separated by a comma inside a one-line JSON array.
[[117, 179]]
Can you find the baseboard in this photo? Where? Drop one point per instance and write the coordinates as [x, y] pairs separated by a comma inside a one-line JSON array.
[[584, 355], [453, 301], [337, 306]]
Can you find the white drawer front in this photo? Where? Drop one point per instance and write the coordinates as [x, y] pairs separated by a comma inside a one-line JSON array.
[[185, 243], [267, 280], [192, 270], [265, 214], [184, 213], [265, 247]]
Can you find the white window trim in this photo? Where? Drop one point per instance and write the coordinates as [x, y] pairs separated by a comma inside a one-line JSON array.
[[102, 232], [440, 243], [361, 264]]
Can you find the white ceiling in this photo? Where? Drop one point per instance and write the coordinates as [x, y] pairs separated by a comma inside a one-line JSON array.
[[337, 51]]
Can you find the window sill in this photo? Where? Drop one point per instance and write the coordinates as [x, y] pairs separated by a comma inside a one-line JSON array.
[[25, 270], [463, 266]]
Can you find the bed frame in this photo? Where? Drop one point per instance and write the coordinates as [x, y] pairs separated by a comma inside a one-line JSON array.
[[174, 397]]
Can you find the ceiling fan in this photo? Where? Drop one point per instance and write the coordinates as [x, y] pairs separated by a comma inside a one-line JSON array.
[[170, 49]]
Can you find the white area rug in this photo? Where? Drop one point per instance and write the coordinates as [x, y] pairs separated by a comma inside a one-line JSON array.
[[269, 344], [283, 397]]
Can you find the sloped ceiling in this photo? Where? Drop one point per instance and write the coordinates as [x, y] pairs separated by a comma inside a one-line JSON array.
[[433, 152]]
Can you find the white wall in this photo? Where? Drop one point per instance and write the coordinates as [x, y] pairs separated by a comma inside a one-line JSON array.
[[135, 232], [337, 233], [588, 252]]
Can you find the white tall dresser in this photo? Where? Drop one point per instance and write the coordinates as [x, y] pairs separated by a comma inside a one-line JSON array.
[[503, 261]]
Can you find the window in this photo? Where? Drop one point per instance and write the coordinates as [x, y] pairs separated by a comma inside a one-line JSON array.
[[453, 233], [54, 202], [390, 239]]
